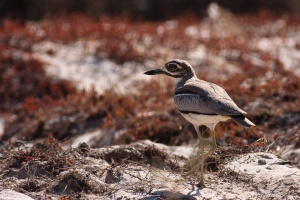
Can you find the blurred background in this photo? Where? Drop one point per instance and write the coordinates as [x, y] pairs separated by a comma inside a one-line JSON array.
[[145, 9], [74, 69]]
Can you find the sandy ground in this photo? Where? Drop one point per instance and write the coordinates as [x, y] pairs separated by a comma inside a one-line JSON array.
[[147, 170]]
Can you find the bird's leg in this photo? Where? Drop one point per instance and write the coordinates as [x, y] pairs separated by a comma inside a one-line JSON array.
[[201, 161], [213, 144], [203, 157]]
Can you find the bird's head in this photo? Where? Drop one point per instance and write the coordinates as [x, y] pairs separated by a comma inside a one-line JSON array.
[[174, 68]]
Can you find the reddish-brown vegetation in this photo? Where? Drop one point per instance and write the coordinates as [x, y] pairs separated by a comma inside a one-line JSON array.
[[45, 105]]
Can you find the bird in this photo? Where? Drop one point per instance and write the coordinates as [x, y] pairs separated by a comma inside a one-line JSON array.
[[201, 103]]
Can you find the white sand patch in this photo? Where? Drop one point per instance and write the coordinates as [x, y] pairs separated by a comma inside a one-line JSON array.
[[8, 194], [78, 62], [264, 165], [282, 48]]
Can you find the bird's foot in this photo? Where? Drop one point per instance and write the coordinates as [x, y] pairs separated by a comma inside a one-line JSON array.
[[193, 171], [201, 183], [200, 163]]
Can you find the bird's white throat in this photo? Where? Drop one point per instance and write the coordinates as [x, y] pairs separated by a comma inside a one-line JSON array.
[[176, 80]]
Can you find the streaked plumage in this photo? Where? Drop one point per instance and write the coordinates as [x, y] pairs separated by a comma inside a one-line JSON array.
[[201, 102], [201, 97]]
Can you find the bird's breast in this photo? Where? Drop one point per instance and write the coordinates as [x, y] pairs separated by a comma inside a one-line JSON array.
[[200, 119]]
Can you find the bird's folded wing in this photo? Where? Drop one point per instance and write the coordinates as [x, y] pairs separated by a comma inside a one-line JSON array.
[[207, 98]]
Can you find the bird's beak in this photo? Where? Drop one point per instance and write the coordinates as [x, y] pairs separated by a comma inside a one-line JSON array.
[[153, 72]]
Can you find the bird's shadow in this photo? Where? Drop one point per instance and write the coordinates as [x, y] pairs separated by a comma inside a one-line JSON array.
[[196, 189]]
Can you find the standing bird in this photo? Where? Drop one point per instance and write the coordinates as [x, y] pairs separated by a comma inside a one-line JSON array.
[[201, 103]]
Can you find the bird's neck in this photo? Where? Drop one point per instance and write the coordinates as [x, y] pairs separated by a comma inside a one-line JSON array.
[[177, 80], [182, 80]]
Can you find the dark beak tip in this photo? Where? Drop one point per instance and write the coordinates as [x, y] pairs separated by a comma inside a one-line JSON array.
[[151, 72]]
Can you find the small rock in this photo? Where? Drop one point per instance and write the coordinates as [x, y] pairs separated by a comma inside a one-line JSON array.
[[269, 168], [261, 162], [289, 181]]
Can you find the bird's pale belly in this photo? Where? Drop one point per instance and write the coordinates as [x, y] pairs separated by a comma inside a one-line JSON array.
[[204, 119]]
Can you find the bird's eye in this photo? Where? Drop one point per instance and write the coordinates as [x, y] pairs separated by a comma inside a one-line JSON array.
[[172, 67]]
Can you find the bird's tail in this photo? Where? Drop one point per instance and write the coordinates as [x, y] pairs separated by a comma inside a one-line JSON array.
[[242, 120]]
